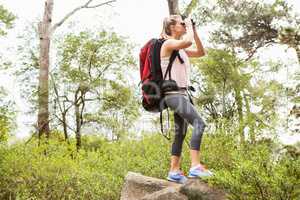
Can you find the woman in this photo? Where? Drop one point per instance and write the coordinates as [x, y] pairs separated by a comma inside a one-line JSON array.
[[179, 35]]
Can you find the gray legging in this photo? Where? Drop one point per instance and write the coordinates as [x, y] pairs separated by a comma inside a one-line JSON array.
[[184, 113]]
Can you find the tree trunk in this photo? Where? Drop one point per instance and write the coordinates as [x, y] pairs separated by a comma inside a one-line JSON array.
[[250, 120], [78, 120], [239, 103], [44, 34], [173, 7], [298, 53], [192, 5], [78, 127], [223, 98], [64, 121]]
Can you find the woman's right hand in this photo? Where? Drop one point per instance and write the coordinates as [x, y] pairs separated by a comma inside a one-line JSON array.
[[188, 23]]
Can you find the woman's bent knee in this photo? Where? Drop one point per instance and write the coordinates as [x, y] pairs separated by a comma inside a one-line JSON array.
[[199, 123]]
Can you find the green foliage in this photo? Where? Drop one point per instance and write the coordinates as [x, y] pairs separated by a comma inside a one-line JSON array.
[[250, 24], [4, 125], [55, 170], [256, 173], [229, 89], [87, 58], [222, 67], [116, 97], [7, 116], [296, 92], [6, 20], [95, 65], [260, 170]]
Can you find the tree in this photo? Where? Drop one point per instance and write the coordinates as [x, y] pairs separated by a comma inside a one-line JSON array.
[[294, 93], [243, 27], [173, 7], [250, 25], [6, 20], [91, 82], [227, 91], [46, 30], [175, 10], [7, 116]]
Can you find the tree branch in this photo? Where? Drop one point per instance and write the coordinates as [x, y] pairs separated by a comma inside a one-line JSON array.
[[101, 4], [86, 5], [82, 108], [190, 7], [56, 92], [69, 127]]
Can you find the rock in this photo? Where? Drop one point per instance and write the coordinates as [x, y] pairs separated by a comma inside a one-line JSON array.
[[166, 194], [196, 189], [139, 187]]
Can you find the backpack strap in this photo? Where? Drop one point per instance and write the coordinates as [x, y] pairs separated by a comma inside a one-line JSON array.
[[173, 56], [189, 89], [171, 60], [155, 57], [167, 136]]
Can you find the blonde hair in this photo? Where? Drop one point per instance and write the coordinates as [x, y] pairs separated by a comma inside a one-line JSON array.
[[168, 21]]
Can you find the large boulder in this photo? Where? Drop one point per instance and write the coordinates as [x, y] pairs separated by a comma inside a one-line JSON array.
[[169, 193], [195, 189], [139, 187]]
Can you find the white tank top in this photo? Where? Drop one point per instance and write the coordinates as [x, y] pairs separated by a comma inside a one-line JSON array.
[[179, 72]]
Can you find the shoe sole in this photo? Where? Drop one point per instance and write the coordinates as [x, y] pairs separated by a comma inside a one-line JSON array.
[[194, 177], [174, 181], [191, 176]]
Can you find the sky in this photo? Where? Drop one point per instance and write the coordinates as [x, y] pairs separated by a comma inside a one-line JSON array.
[[139, 20]]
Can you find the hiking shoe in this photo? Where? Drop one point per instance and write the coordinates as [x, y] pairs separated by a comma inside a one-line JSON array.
[[199, 171], [177, 177]]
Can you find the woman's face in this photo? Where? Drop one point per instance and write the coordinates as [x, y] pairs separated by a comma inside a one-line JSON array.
[[179, 27]]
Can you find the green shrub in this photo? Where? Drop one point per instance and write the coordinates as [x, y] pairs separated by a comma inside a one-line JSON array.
[[57, 171], [257, 172]]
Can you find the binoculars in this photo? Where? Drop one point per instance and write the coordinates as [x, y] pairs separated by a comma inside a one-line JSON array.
[[183, 17]]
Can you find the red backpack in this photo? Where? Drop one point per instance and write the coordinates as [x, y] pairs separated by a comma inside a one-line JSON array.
[[152, 79]]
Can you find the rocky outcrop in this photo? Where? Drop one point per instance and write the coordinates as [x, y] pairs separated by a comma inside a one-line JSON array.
[[139, 187]]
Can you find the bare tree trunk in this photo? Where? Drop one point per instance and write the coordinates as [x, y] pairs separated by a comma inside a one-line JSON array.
[[78, 120], [78, 126], [64, 122], [44, 34], [173, 7], [79, 108], [239, 103], [223, 98]]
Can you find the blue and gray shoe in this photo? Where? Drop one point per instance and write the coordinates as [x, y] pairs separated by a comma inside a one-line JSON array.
[[177, 177], [199, 171]]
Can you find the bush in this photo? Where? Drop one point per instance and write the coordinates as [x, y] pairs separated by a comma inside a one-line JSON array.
[[57, 171], [256, 171]]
